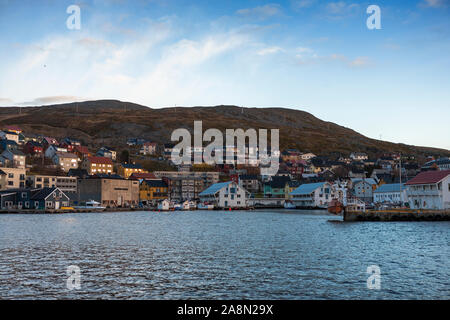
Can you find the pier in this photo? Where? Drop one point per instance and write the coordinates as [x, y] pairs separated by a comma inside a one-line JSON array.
[[398, 215]]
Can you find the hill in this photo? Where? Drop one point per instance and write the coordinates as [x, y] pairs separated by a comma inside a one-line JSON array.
[[111, 122]]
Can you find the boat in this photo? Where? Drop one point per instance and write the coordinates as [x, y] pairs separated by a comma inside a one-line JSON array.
[[205, 206], [91, 204], [164, 205], [177, 207], [288, 204], [189, 205], [335, 206]]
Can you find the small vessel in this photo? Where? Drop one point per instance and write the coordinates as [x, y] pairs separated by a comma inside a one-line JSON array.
[[91, 204], [189, 205], [164, 205], [177, 206], [288, 204], [205, 206], [335, 206]]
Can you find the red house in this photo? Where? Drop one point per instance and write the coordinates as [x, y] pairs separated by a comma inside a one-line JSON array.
[[33, 148]]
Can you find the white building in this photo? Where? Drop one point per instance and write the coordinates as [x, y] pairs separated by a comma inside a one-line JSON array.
[[313, 195], [225, 195], [307, 156], [429, 190], [15, 157], [358, 156], [390, 193], [52, 150]]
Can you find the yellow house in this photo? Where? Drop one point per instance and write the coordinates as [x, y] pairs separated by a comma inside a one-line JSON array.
[[153, 191], [290, 186], [127, 169]]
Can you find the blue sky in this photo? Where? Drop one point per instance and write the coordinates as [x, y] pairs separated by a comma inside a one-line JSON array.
[[311, 55]]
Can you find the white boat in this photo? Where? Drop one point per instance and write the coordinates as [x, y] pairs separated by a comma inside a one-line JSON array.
[[189, 205], [289, 205], [164, 205], [205, 206], [91, 204]]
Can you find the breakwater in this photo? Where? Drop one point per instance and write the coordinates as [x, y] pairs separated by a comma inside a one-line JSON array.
[[398, 215]]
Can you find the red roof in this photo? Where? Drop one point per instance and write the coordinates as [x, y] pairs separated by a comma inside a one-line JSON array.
[[148, 175], [100, 160], [82, 149], [428, 177]]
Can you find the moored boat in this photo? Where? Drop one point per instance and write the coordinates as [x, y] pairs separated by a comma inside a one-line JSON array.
[[335, 206]]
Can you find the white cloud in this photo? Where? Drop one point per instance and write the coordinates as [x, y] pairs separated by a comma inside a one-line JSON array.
[[146, 69], [341, 9], [301, 4], [434, 3], [269, 50], [261, 12]]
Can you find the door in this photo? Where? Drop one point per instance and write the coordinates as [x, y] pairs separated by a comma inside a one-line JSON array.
[[56, 205]]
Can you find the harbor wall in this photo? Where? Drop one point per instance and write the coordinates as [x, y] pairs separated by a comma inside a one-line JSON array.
[[399, 215]]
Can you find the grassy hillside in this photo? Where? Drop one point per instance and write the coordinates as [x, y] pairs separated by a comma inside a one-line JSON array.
[[112, 122]]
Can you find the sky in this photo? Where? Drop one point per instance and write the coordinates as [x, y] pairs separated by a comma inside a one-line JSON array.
[[391, 83]]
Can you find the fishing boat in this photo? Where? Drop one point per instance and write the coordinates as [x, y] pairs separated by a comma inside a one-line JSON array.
[[335, 206], [205, 206]]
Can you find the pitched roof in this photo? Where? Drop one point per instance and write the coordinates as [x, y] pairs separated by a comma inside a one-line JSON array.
[[66, 155], [100, 160], [82, 149], [142, 175], [213, 189], [429, 177], [307, 188], [44, 193], [367, 180], [392, 187], [155, 183], [131, 166]]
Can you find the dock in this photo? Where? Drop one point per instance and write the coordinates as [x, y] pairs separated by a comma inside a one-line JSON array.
[[398, 215]]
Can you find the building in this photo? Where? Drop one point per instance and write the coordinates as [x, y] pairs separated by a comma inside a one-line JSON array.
[[65, 184], [307, 156], [363, 188], [49, 141], [127, 169], [394, 193], [290, 186], [275, 188], [34, 148], [153, 191], [250, 183], [143, 176], [429, 190], [185, 185], [82, 152], [358, 156], [12, 178], [107, 152], [49, 198], [66, 160], [97, 165], [53, 149], [15, 157], [225, 195], [148, 148], [9, 135], [313, 195], [109, 190]]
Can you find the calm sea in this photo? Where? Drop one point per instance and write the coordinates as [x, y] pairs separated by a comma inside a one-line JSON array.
[[273, 254]]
